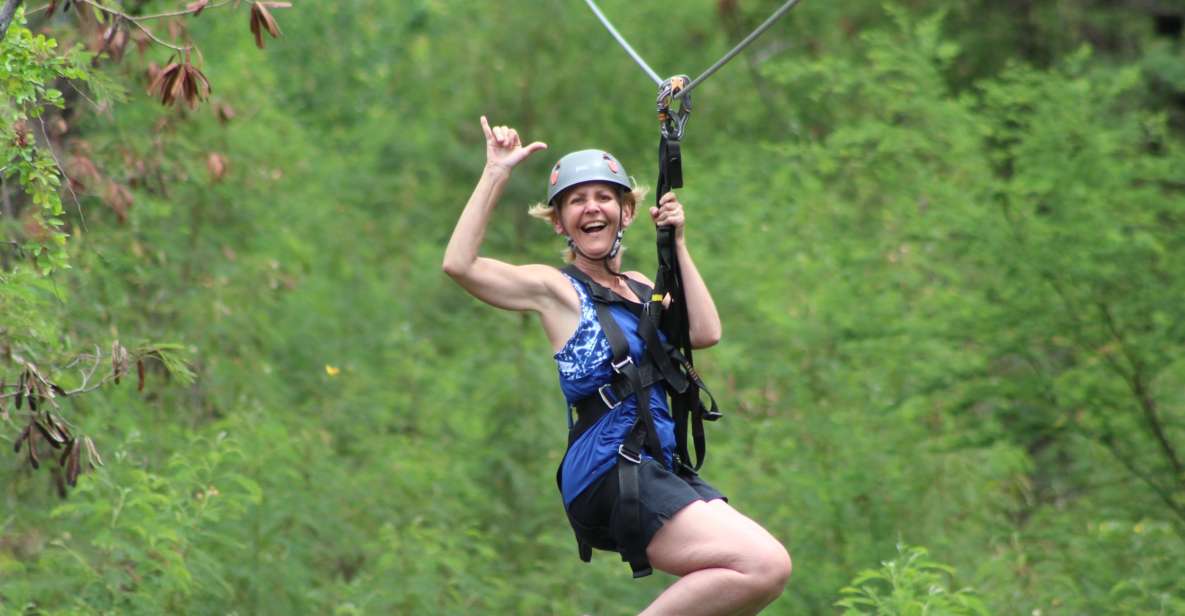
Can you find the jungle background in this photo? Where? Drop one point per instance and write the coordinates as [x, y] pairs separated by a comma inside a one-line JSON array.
[[947, 241]]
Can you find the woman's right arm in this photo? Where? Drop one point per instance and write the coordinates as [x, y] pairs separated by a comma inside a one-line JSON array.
[[495, 282]]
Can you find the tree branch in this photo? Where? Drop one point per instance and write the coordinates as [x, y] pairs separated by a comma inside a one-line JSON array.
[[7, 12], [1109, 444], [136, 22], [1135, 382]]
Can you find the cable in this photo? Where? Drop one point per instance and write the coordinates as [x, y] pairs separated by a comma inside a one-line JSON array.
[[658, 81], [740, 46], [630, 50]]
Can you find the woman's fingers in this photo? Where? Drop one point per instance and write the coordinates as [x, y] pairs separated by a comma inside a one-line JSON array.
[[670, 213], [506, 143]]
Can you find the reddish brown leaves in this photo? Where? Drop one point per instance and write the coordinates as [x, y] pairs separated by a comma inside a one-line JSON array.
[[261, 19], [180, 80]]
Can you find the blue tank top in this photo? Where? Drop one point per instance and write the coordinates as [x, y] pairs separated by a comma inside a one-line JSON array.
[[584, 366]]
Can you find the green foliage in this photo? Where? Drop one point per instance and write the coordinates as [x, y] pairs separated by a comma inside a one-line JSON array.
[[31, 66], [947, 248], [909, 585]]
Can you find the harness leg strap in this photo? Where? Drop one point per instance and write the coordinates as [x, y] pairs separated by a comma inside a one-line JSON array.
[[629, 507]]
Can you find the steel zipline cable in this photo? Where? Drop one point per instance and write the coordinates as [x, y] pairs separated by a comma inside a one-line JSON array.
[[785, 8], [621, 40]]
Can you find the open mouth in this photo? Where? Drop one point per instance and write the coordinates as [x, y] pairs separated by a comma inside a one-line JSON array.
[[593, 227]]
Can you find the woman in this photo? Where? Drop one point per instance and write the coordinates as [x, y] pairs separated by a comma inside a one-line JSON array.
[[727, 563]]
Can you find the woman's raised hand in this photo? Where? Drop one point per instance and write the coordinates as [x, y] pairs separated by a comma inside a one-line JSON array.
[[504, 150]]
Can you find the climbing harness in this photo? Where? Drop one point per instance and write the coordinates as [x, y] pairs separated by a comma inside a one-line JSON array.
[[661, 365], [664, 362]]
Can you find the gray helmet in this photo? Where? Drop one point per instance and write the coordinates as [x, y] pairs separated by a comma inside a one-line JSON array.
[[586, 166]]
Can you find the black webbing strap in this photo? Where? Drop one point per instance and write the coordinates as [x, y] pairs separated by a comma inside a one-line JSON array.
[[643, 435], [629, 500]]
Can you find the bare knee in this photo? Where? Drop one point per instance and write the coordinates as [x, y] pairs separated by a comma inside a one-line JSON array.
[[768, 569]]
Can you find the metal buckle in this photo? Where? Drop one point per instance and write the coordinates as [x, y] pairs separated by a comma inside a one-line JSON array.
[[605, 399], [617, 366], [621, 452]]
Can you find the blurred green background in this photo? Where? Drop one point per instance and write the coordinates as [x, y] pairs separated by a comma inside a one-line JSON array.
[[946, 241]]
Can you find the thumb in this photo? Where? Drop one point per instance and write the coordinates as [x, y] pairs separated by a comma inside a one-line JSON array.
[[654, 212], [535, 147]]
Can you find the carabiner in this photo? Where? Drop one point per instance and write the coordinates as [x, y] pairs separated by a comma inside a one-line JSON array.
[[671, 121]]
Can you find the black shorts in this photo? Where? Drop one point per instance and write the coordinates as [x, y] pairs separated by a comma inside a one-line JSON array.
[[662, 494]]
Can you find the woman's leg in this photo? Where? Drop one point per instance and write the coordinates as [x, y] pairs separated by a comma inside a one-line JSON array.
[[728, 563]]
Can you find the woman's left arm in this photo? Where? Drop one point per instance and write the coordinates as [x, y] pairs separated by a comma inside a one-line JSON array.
[[703, 320]]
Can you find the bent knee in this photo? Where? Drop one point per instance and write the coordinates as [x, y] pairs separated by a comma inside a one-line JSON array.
[[769, 569]]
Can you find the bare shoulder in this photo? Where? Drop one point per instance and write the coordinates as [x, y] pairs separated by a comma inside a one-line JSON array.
[[559, 288]]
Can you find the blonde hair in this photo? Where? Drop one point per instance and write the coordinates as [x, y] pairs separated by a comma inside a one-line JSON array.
[[548, 212]]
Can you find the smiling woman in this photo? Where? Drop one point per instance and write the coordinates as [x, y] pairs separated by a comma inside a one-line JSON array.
[[623, 486], [572, 197]]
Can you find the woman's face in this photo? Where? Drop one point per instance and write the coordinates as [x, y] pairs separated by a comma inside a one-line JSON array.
[[590, 214]]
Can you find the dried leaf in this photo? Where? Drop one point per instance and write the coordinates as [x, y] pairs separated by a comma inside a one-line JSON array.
[[177, 85], [73, 468], [60, 426], [197, 87], [34, 461], [197, 6], [116, 366], [261, 19], [51, 435], [140, 375], [24, 436], [92, 454], [71, 446], [162, 83]]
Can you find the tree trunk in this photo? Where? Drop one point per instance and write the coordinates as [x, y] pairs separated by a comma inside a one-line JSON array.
[[6, 14]]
